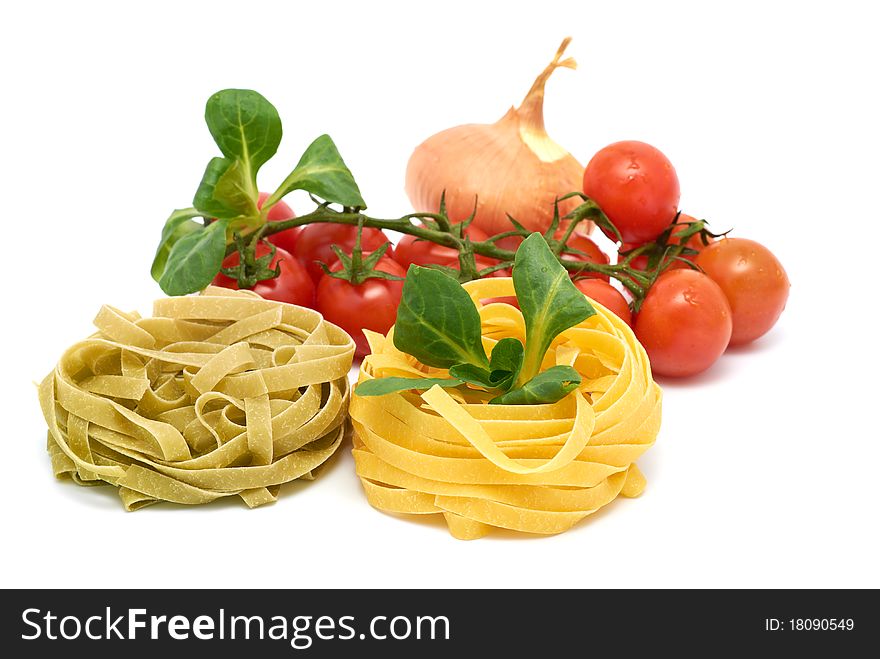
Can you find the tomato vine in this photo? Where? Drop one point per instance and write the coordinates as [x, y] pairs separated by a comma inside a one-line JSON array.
[[226, 216]]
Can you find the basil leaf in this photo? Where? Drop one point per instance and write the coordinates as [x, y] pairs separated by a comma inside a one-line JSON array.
[[245, 126], [382, 386], [505, 362], [194, 260], [178, 224], [549, 386], [550, 303], [471, 374], [226, 191], [322, 172], [437, 322]]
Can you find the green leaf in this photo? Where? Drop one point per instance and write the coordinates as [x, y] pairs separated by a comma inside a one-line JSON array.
[[471, 374], [549, 301], [549, 386], [437, 322], [222, 177], [225, 190], [179, 224], [322, 172], [236, 191], [194, 260], [505, 362], [382, 386], [247, 129], [245, 126]]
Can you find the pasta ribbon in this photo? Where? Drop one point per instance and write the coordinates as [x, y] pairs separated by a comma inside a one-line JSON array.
[[216, 395], [528, 468]]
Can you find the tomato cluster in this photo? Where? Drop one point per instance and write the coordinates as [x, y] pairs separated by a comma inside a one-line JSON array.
[[371, 304], [717, 293], [720, 293]]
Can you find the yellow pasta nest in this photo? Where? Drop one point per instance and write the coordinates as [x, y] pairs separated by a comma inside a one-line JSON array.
[[530, 468], [216, 395]]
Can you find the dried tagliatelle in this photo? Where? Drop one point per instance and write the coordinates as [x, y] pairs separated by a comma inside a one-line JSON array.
[[534, 468], [216, 395]]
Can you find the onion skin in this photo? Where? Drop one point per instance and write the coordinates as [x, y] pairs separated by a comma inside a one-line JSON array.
[[511, 166]]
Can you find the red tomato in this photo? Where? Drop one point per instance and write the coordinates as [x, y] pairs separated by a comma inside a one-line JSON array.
[[371, 305], [684, 323], [483, 262], [315, 241], [286, 240], [606, 295], [588, 247], [505, 299], [293, 285], [511, 242], [754, 282], [636, 186], [423, 252]]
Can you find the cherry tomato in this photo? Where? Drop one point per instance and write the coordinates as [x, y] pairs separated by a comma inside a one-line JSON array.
[[293, 285], [483, 262], [354, 307], [684, 323], [754, 282], [588, 247], [636, 186], [511, 242], [286, 240], [316, 240], [423, 252], [606, 295]]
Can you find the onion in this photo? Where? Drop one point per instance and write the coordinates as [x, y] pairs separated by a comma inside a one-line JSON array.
[[511, 166]]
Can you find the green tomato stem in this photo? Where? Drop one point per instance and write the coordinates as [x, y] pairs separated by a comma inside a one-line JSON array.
[[636, 281]]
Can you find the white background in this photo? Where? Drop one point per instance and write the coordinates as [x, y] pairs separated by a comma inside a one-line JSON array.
[[765, 471]]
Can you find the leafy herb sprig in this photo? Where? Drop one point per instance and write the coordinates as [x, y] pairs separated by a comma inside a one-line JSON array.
[[225, 216], [247, 130], [438, 324]]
